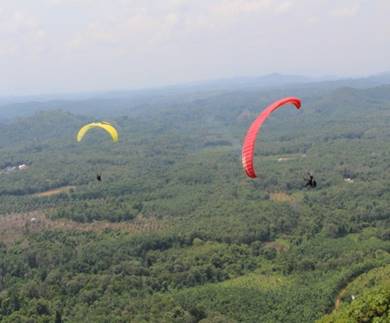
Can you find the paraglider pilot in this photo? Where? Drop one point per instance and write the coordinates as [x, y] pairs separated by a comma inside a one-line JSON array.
[[310, 182]]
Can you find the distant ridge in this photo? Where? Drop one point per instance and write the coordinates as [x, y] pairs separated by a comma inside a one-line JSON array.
[[96, 103], [273, 80]]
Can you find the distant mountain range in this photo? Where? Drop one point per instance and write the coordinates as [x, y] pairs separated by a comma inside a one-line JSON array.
[[96, 102]]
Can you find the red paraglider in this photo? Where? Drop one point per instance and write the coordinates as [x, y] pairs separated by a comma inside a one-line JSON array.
[[248, 148]]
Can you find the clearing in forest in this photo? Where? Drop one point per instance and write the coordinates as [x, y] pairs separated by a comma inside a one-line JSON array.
[[55, 191], [14, 227]]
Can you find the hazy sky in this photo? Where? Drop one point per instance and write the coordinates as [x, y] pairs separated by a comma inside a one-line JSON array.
[[80, 45]]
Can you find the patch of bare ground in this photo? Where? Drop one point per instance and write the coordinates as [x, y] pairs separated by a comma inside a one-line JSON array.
[[293, 157], [283, 159], [65, 189], [282, 197], [14, 227], [277, 246], [338, 299]]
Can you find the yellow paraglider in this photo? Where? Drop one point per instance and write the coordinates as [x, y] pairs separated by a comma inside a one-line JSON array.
[[104, 125]]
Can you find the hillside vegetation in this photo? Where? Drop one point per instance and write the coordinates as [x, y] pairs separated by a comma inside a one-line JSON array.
[[367, 299], [176, 233]]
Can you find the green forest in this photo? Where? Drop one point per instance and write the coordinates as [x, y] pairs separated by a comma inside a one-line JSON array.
[[175, 231]]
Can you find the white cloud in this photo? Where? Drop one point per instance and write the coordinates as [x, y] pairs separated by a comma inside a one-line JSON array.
[[313, 20], [284, 7], [141, 30], [20, 34], [234, 8], [350, 11]]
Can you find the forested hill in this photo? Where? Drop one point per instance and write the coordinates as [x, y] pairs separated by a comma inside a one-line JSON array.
[[175, 232]]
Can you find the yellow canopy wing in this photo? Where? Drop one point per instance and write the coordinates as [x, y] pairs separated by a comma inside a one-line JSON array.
[[104, 125]]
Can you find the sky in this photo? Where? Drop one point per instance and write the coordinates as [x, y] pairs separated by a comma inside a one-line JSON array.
[[55, 46]]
